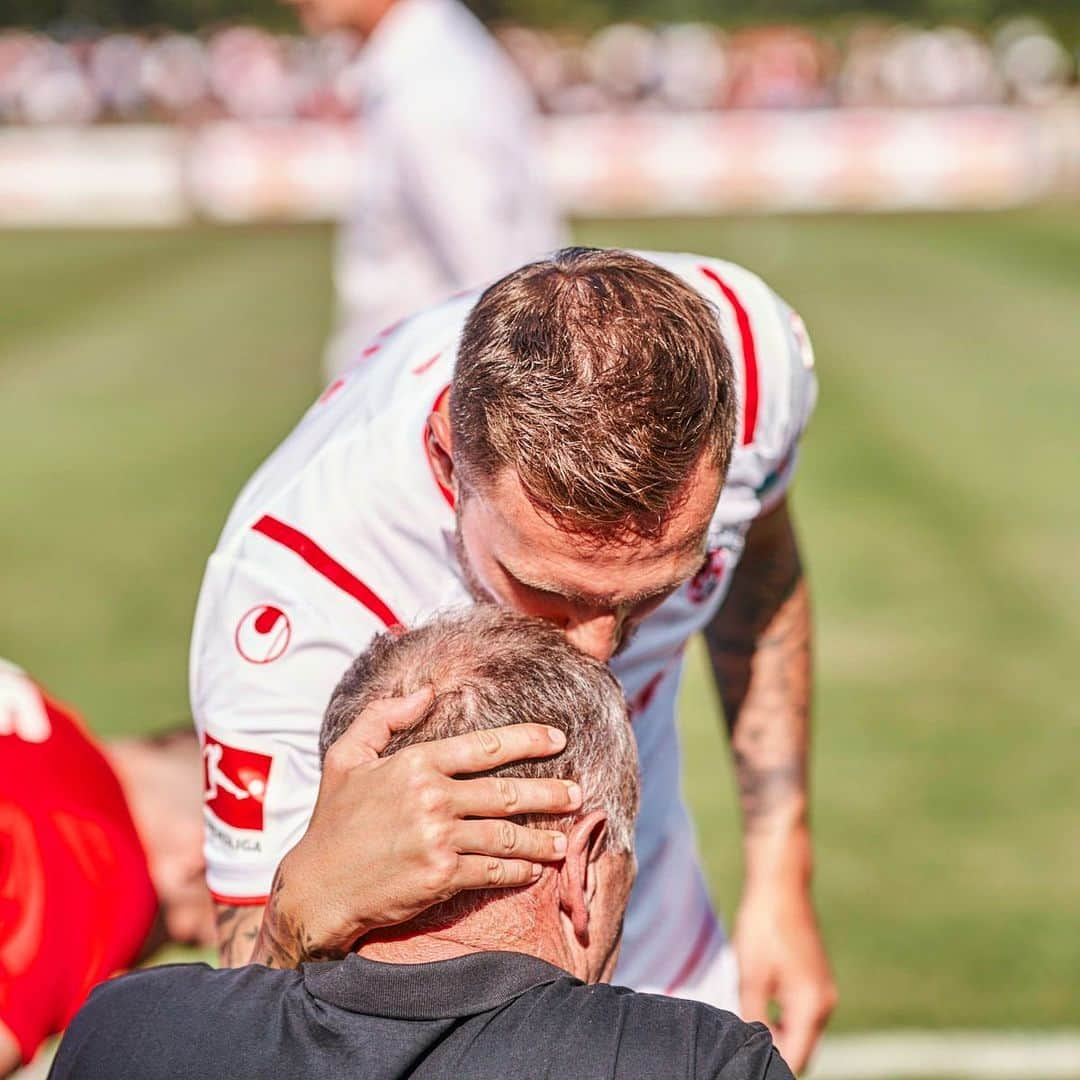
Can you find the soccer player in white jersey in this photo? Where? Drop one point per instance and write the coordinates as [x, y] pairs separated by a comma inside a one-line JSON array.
[[451, 189], [599, 438]]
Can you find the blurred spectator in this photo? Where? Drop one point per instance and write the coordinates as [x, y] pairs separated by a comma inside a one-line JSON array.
[[175, 75], [695, 67], [623, 62], [779, 68], [250, 74], [450, 192], [115, 75], [1036, 68], [947, 66]]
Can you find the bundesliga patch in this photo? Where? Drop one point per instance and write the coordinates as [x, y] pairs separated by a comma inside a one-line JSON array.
[[234, 783]]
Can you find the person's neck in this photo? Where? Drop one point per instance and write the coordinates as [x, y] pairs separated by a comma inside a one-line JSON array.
[[495, 928]]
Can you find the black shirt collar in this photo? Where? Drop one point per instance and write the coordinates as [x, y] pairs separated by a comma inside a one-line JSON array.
[[440, 990]]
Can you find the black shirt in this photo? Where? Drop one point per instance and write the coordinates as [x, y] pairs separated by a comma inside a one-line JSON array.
[[485, 1016]]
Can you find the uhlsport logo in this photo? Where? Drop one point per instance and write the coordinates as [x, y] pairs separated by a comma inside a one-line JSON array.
[[234, 783], [262, 634], [704, 582]]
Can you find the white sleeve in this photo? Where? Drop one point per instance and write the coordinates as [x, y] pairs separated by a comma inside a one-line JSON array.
[[800, 394], [264, 662], [470, 193]]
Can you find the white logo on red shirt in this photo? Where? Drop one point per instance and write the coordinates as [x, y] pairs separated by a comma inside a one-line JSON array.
[[22, 712], [262, 634], [234, 783]]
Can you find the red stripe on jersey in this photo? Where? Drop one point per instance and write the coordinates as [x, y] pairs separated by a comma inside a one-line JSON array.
[[421, 368], [237, 901], [331, 390], [749, 353], [705, 935], [643, 698], [326, 565], [380, 339], [447, 494]]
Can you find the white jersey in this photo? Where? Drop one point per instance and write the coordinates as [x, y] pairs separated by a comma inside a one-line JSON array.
[[345, 531], [451, 189]]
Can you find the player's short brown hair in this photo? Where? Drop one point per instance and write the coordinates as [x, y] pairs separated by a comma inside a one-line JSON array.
[[602, 379]]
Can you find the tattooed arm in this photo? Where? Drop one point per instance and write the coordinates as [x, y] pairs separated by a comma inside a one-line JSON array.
[[759, 645], [237, 929], [263, 934]]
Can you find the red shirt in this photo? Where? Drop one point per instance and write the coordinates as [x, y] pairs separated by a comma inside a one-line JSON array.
[[76, 900]]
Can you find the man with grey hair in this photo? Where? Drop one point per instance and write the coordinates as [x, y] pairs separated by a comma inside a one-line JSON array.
[[490, 983]]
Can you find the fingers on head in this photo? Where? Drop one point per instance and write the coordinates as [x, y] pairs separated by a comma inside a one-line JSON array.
[[371, 729], [501, 796], [352, 749], [489, 872], [505, 839], [478, 751], [399, 714]]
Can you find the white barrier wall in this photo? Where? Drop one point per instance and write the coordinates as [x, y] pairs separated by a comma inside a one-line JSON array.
[[599, 165]]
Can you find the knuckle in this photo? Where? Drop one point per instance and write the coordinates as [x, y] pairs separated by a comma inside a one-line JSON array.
[[434, 836], [488, 743], [536, 736], [507, 836], [507, 793], [334, 762], [440, 871], [416, 772], [430, 797], [495, 872]]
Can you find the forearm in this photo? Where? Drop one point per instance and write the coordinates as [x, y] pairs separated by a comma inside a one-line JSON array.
[[284, 940], [760, 648], [270, 935], [237, 930]]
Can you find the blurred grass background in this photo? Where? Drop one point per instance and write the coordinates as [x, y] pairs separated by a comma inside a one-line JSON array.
[[143, 375]]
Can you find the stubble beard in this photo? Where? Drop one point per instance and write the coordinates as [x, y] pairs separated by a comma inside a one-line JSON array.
[[481, 595], [472, 583]]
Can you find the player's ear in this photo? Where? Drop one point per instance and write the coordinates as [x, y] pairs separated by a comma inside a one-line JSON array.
[[577, 877], [439, 444]]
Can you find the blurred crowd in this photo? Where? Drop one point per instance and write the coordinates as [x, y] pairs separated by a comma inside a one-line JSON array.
[[249, 74]]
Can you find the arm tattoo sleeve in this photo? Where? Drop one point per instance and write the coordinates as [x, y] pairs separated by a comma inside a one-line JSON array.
[[759, 645], [283, 940], [237, 928]]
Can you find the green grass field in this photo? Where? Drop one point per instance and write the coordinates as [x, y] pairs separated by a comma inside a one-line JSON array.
[[144, 375]]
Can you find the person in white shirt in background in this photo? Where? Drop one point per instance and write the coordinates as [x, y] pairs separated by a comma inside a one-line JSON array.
[[451, 194]]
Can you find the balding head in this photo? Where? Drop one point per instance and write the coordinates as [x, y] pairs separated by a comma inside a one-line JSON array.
[[491, 667]]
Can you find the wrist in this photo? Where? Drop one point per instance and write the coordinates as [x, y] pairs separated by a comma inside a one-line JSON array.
[[779, 857], [301, 917]]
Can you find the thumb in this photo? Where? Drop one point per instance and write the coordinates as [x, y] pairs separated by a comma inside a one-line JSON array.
[[370, 732], [754, 999], [798, 1031]]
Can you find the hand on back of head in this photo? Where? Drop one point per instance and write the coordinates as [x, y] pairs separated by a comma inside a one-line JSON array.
[[397, 829]]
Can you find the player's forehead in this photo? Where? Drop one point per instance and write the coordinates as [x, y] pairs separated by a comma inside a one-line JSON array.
[[531, 548]]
